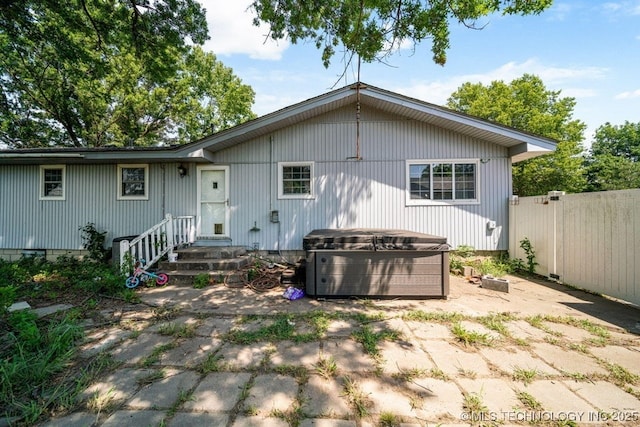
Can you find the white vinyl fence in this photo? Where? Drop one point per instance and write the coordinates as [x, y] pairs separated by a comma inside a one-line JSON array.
[[588, 240]]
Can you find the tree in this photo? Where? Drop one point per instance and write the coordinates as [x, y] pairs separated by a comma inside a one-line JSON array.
[[526, 104], [373, 29], [614, 160], [112, 72]]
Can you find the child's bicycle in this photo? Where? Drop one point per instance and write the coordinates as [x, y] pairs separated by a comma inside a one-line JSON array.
[[140, 274]]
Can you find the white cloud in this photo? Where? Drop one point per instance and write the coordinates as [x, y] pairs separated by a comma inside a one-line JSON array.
[[628, 95], [623, 7], [553, 77], [232, 31]]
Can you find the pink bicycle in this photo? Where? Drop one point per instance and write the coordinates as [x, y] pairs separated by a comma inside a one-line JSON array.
[[139, 274]]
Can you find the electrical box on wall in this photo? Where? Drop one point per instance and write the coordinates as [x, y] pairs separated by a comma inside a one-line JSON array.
[[491, 225], [275, 216]]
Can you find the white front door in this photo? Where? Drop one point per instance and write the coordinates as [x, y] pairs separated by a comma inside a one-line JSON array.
[[213, 201]]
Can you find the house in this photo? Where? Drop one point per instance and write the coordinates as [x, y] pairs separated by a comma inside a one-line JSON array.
[[358, 156]]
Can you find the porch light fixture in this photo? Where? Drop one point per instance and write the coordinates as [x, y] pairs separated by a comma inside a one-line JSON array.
[[182, 171]]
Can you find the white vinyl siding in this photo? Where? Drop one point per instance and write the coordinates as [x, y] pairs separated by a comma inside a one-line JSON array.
[[133, 182], [295, 180], [52, 182], [437, 182]]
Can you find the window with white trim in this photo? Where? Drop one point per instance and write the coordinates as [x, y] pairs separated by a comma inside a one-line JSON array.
[[295, 180], [52, 182], [433, 182], [133, 182]]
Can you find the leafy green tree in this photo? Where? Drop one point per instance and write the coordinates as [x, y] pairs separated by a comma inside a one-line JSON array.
[[373, 29], [614, 160], [527, 105], [111, 72]]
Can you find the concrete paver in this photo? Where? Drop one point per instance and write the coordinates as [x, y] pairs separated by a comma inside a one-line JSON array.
[[197, 419], [271, 393], [568, 332], [403, 356], [324, 398], [497, 394], [303, 354], [566, 360], [509, 360], [607, 397], [162, 394], [440, 399], [134, 418], [119, 385], [190, 352], [453, 360], [235, 356], [261, 421], [348, 355], [134, 350], [258, 383], [557, 399], [628, 358], [430, 331], [217, 392]]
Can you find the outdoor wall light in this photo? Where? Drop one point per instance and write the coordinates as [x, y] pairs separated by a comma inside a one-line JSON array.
[[182, 171]]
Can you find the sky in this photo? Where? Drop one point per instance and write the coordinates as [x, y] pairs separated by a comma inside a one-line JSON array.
[[587, 49]]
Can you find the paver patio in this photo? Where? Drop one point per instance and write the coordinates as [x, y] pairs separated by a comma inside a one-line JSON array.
[[322, 374]]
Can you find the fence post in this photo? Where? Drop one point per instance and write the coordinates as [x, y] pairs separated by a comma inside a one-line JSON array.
[[170, 235], [124, 249]]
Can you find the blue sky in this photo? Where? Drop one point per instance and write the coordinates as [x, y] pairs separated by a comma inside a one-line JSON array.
[[587, 49]]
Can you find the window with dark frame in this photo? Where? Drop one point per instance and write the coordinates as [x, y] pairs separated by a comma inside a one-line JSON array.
[[296, 180], [133, 181], [442, 181]]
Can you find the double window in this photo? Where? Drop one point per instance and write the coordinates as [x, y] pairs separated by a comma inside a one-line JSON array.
[[52, 182], [433, 182], [133, 182], [295, 180]]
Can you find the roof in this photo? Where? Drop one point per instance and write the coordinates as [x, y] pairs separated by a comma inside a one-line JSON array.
[[521, 145]]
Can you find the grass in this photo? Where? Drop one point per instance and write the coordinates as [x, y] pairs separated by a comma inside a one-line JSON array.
[[356, 398], [281, 327], [157, 351], [525, 375], [389, 419], [177, 331], [475, 409], [433, 316], [151, 377], [529, 401], [470, 337], [212, 363], [370, 339], [327, 367]]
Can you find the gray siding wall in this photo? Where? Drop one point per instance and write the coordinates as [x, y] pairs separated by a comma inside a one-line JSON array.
[[29, 223], [349, 193], [366, 193]]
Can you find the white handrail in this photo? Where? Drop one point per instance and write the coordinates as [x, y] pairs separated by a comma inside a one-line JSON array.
[[159, 240]]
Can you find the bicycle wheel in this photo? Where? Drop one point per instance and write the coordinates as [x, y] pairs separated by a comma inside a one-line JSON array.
[[162, 279], [132, 282]]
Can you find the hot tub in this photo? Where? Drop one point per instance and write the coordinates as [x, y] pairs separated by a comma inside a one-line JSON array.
[[376, 262]]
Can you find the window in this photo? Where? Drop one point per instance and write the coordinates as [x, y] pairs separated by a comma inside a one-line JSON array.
[[442, 182], [295, 180], [133, 182], [52, 182]]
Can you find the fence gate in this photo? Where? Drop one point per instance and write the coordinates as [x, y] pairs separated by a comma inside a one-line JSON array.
[[587, 240]]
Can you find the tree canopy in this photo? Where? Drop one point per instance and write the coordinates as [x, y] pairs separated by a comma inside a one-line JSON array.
[[614, 160], [111, 72], [373, 29], [526, 104]]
